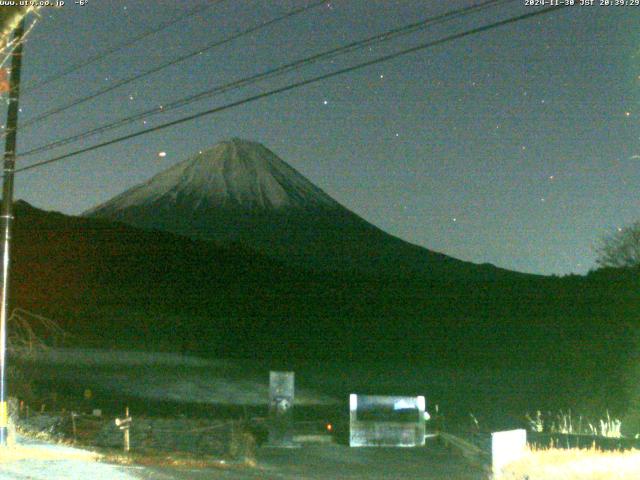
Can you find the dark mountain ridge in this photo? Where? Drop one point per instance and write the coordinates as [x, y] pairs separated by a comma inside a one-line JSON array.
[[114, 285]]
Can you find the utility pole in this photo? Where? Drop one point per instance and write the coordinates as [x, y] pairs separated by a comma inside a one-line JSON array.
[[6, 218]]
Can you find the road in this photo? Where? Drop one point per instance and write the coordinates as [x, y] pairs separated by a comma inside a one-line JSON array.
[[330, 462], [313, 462], [39, 460]]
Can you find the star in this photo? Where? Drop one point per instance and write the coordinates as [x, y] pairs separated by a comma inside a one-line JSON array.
[[627, 114], [325, 102]]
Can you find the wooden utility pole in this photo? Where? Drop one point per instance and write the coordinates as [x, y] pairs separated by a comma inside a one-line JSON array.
[[6, 218]]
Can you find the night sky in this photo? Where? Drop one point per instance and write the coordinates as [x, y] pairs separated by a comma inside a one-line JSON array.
[[518, 146]]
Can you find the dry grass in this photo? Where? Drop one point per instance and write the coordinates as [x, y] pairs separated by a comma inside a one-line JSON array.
[[574, 464], [564, 423]]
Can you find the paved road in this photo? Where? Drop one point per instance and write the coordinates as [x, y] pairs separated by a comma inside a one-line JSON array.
[[331, 462]]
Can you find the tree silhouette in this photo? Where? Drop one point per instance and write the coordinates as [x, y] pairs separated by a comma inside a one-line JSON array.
[[622, 249]]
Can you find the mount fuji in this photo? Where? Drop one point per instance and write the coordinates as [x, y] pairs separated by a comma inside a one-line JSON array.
[[241, 192]]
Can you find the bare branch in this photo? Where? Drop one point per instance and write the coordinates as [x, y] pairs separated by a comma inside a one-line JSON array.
[[620, 250], [22, 328]]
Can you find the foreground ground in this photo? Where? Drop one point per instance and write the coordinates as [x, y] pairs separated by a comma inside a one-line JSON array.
[[39, 460], [185, 390], [331, 462], [53, 462]]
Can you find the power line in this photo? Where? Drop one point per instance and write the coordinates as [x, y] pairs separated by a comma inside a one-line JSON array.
[[120, 46], [175, 61], [383, 37], [296, 85]]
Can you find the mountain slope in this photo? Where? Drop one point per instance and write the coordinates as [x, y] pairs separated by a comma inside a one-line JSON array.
[[239, 191], [110, 284]]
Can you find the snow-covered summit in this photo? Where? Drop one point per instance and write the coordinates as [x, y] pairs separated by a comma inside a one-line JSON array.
[[234, 174]]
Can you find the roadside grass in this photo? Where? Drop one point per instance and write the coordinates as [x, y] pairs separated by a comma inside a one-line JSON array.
[[564, 423], [574, 464]]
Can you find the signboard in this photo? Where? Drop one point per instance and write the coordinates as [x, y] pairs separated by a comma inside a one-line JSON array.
[[386, 421], [507, 447], [281, 396]]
